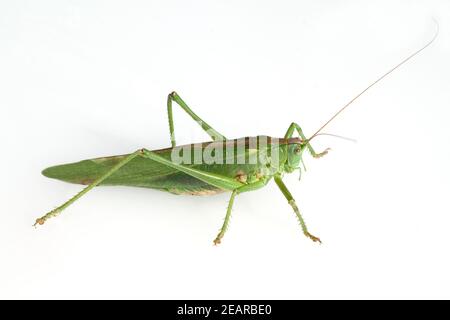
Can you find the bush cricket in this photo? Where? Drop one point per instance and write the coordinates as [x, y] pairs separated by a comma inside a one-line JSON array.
[[221, 165]]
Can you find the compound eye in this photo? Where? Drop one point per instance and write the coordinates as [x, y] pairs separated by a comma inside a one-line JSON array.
[[297, 150]]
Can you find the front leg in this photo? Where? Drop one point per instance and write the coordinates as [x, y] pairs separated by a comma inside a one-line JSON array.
[[295, 127], [291, 201]]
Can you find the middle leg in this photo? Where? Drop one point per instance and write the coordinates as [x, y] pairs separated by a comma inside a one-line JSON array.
[[244, 188], [226, 221]]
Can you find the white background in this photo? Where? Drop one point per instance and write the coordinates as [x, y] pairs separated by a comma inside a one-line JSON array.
[[82, 79]]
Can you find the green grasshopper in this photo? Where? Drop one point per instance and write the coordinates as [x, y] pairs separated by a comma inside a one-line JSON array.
[[221, 165]]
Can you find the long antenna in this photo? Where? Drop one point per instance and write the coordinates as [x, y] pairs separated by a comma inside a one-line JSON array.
[[336, 136], [376, 81]]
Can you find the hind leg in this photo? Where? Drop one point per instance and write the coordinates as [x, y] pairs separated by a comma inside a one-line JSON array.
[[215, 135]]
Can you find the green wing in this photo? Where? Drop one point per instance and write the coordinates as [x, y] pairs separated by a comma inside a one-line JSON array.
[[147, 173], [139, 172]]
